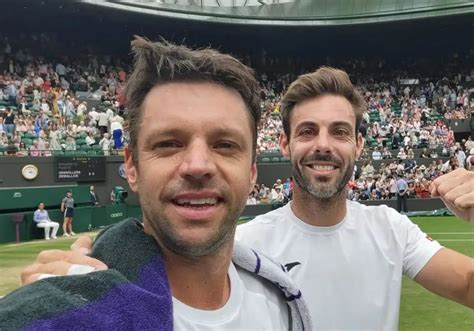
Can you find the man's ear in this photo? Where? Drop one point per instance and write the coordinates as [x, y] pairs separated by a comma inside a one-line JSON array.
[[131, 170], [359, 145], [284, 142], [253, 176]]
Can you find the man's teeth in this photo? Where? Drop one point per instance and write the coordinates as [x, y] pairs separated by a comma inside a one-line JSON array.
[[207, 201], [323, 167]]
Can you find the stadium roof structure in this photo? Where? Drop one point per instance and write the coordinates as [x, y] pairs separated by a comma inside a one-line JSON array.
[[293, 12]]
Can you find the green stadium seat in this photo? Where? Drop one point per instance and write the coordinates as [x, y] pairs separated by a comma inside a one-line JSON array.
[[80, 153], [265, 160], [275, 159], [91, 153], [85, 147], [80, 142], [69, 153], [27, 141], [58, 153]]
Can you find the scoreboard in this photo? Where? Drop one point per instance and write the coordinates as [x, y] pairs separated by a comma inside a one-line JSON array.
[[79, 169]]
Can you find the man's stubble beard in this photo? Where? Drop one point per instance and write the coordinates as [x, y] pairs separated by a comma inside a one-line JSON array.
[[166, 235], [323, 191]]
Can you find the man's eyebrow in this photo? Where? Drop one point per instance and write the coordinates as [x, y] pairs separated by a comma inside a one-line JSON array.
[[306, 124]]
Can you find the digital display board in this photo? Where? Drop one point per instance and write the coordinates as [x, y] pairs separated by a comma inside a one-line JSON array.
[[79, 169]]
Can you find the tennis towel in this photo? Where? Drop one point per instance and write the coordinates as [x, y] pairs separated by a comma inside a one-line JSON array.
[[133, 294]]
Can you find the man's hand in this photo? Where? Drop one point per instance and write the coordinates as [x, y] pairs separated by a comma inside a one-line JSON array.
[[59, 263], [456, 189]]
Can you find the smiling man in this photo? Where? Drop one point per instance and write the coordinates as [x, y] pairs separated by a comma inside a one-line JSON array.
[[348, 258], [191, 159]]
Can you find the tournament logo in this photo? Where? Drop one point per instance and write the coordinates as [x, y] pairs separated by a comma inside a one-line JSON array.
[[121, 171]]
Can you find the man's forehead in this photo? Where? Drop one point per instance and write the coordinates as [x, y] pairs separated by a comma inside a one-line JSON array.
[[328, 108]]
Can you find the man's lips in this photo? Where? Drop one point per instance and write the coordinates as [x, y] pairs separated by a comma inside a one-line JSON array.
[[197, 198], [322, 166]]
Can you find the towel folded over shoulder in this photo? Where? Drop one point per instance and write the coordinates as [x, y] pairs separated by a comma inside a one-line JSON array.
[[133, 293]]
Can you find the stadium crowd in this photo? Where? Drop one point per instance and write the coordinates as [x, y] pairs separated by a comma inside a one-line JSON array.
[[44, 112]]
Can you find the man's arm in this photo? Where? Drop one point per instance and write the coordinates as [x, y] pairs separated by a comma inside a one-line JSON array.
[[451, 275]]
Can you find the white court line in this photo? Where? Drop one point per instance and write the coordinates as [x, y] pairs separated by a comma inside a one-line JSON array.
[[453, 239], [451, 233]]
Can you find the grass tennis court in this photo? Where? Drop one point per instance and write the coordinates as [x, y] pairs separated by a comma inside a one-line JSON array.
[[420, 310]]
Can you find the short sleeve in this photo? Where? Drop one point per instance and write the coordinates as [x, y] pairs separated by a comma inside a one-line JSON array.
[[419, 249]]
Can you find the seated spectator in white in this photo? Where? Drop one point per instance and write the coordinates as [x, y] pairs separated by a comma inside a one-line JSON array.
[[81, 127], [90, 140], [47, 149], [251, 200], [276, 195], [42, 220], [376, 155], [401, 154], [263, 193]]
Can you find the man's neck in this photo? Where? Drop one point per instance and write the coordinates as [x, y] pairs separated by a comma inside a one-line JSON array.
[[318, 212], [201, 282]]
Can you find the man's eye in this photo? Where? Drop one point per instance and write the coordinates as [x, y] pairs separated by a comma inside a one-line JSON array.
[[340, 132], [306, 132], [224, 145], [168, 144]]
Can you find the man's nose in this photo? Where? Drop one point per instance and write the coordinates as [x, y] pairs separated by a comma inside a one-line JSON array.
[[198, 162]]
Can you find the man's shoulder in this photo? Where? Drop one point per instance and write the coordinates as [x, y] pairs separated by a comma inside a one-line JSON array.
[[273, 219], [381, 216]]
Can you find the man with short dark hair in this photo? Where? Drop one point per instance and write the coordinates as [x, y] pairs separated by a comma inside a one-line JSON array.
[[191, 159]]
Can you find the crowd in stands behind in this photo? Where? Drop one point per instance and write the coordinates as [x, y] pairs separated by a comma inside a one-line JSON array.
[[43, 112]]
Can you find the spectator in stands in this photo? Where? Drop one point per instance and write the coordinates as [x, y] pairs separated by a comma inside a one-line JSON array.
[[41, 121], [42, 220], [460, 156], [376, 154], [105, 143], [263, 193], [34, 149], [411, 193], [276, 195], [70, 138], [90, 140], [103, 122], [116, 128], [9, 121]]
